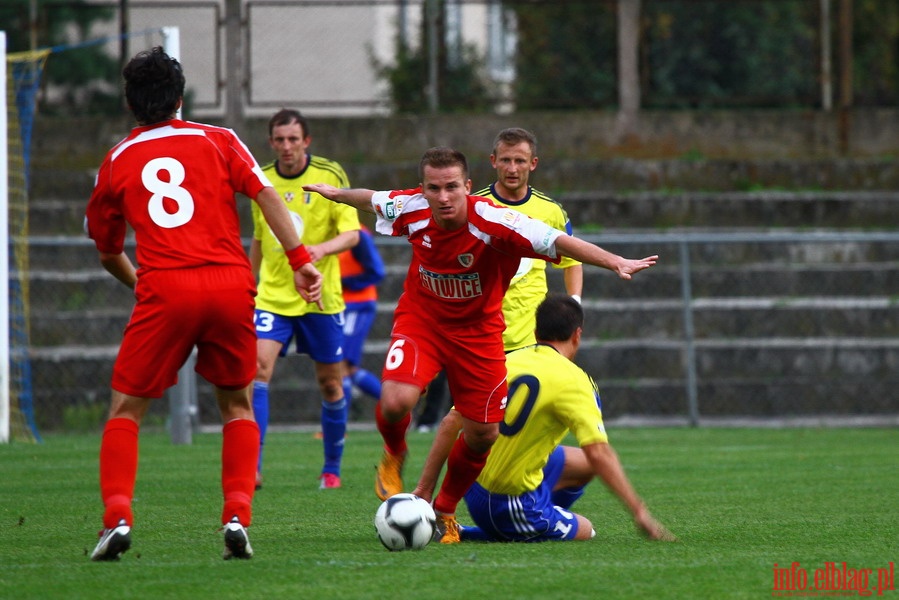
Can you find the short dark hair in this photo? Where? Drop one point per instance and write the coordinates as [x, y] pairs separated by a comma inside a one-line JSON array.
[[154, 84], [286, 116], [558, 317], [440, 158], [513, 136]]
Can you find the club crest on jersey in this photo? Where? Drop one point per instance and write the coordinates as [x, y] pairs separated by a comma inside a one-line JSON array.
[[288, 197], [466, 259], [426, 241]]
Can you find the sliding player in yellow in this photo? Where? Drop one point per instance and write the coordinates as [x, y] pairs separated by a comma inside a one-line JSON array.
[[529, 483]]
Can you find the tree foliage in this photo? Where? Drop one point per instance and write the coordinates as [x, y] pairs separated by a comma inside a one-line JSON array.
[[460, 84], [876, 50], [700, 53], [84, 79], [747, 53], [566, 54]]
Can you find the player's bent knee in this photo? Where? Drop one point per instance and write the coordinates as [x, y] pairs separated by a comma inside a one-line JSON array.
[[397, 399], [332, 389], [585, 529]]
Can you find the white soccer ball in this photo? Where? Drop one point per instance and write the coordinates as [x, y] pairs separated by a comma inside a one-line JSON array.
[[405, 522]]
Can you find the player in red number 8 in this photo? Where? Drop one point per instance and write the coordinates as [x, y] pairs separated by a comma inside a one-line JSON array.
[[174, 183]]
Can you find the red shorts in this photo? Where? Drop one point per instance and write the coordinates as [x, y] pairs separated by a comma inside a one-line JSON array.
[[474, 361], [208, 307]]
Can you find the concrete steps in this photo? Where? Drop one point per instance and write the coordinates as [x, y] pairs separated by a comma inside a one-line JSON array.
[[781, 326]]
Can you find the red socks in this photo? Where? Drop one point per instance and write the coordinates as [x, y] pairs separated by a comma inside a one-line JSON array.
[[118, 470], [394, 434], [240, 453], [462, 469]]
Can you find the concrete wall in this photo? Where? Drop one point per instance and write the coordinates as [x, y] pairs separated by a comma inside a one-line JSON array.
[[720, 150], [782, 329]]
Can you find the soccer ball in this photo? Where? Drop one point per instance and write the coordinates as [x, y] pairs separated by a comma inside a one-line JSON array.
[[405, 522]]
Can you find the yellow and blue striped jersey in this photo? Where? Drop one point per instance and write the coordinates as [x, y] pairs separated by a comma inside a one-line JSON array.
[[320, 220], [528, 288], [548, 396]]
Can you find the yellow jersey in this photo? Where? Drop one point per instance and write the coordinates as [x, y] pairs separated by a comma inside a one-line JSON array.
[[318, 219], [528, 288], [548, 396]]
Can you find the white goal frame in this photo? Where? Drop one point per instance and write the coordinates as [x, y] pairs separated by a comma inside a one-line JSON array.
[[172, 44], [4, 252]]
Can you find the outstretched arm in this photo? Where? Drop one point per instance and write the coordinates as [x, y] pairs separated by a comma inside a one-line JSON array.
[[356, 197], [591, 254], [604, 461]]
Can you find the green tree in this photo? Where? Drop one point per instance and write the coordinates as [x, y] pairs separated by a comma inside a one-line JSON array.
[[700, 53], [460, 85], [566, 54], [84, 79], [876, 52], [745, 53]]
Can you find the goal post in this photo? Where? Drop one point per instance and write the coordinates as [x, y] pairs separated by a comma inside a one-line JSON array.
[[183, 395], [21, 80], [4, 254], [20, 77]]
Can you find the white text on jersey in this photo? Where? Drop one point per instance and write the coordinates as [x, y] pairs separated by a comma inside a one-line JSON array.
[[451, 286]]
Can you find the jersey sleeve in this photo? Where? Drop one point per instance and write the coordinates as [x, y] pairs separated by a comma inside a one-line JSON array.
[[564, 224], [578, 407], [512, 231], [104, 221], [246, 174], [395, 210]]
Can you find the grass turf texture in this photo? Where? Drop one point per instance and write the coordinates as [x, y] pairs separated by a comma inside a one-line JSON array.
[[740, 500]]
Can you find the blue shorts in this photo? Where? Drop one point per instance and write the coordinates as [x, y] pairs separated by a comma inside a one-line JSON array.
[[358, 319], [319, 336], [530, 517]]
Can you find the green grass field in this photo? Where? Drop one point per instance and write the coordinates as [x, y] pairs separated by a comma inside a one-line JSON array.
[[740, 501]]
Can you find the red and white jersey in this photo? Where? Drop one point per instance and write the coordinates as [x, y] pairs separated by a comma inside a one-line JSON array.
[[458, 278], [174, 183]]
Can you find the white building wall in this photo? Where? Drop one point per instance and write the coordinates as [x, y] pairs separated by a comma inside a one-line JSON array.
[[318, 57]]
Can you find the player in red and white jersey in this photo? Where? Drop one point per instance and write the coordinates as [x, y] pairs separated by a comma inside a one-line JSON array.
[[174, 184], [461, 275], [465, 251]]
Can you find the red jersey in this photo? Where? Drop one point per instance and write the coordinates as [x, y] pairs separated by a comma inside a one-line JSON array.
[[174, 183], [459, 278]]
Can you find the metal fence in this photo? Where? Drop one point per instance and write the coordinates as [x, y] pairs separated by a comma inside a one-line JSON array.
[[328, 57], [728, 325]]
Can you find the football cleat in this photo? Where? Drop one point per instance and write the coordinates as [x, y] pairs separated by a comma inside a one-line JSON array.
[[389, 476], [113, 542], [329, 481], [447, 530], [237, 543]]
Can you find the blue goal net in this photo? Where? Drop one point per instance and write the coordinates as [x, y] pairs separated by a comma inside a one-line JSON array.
[[24, 71]]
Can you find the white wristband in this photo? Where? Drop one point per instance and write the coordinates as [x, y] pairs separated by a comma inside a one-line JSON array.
[[576, 298]]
